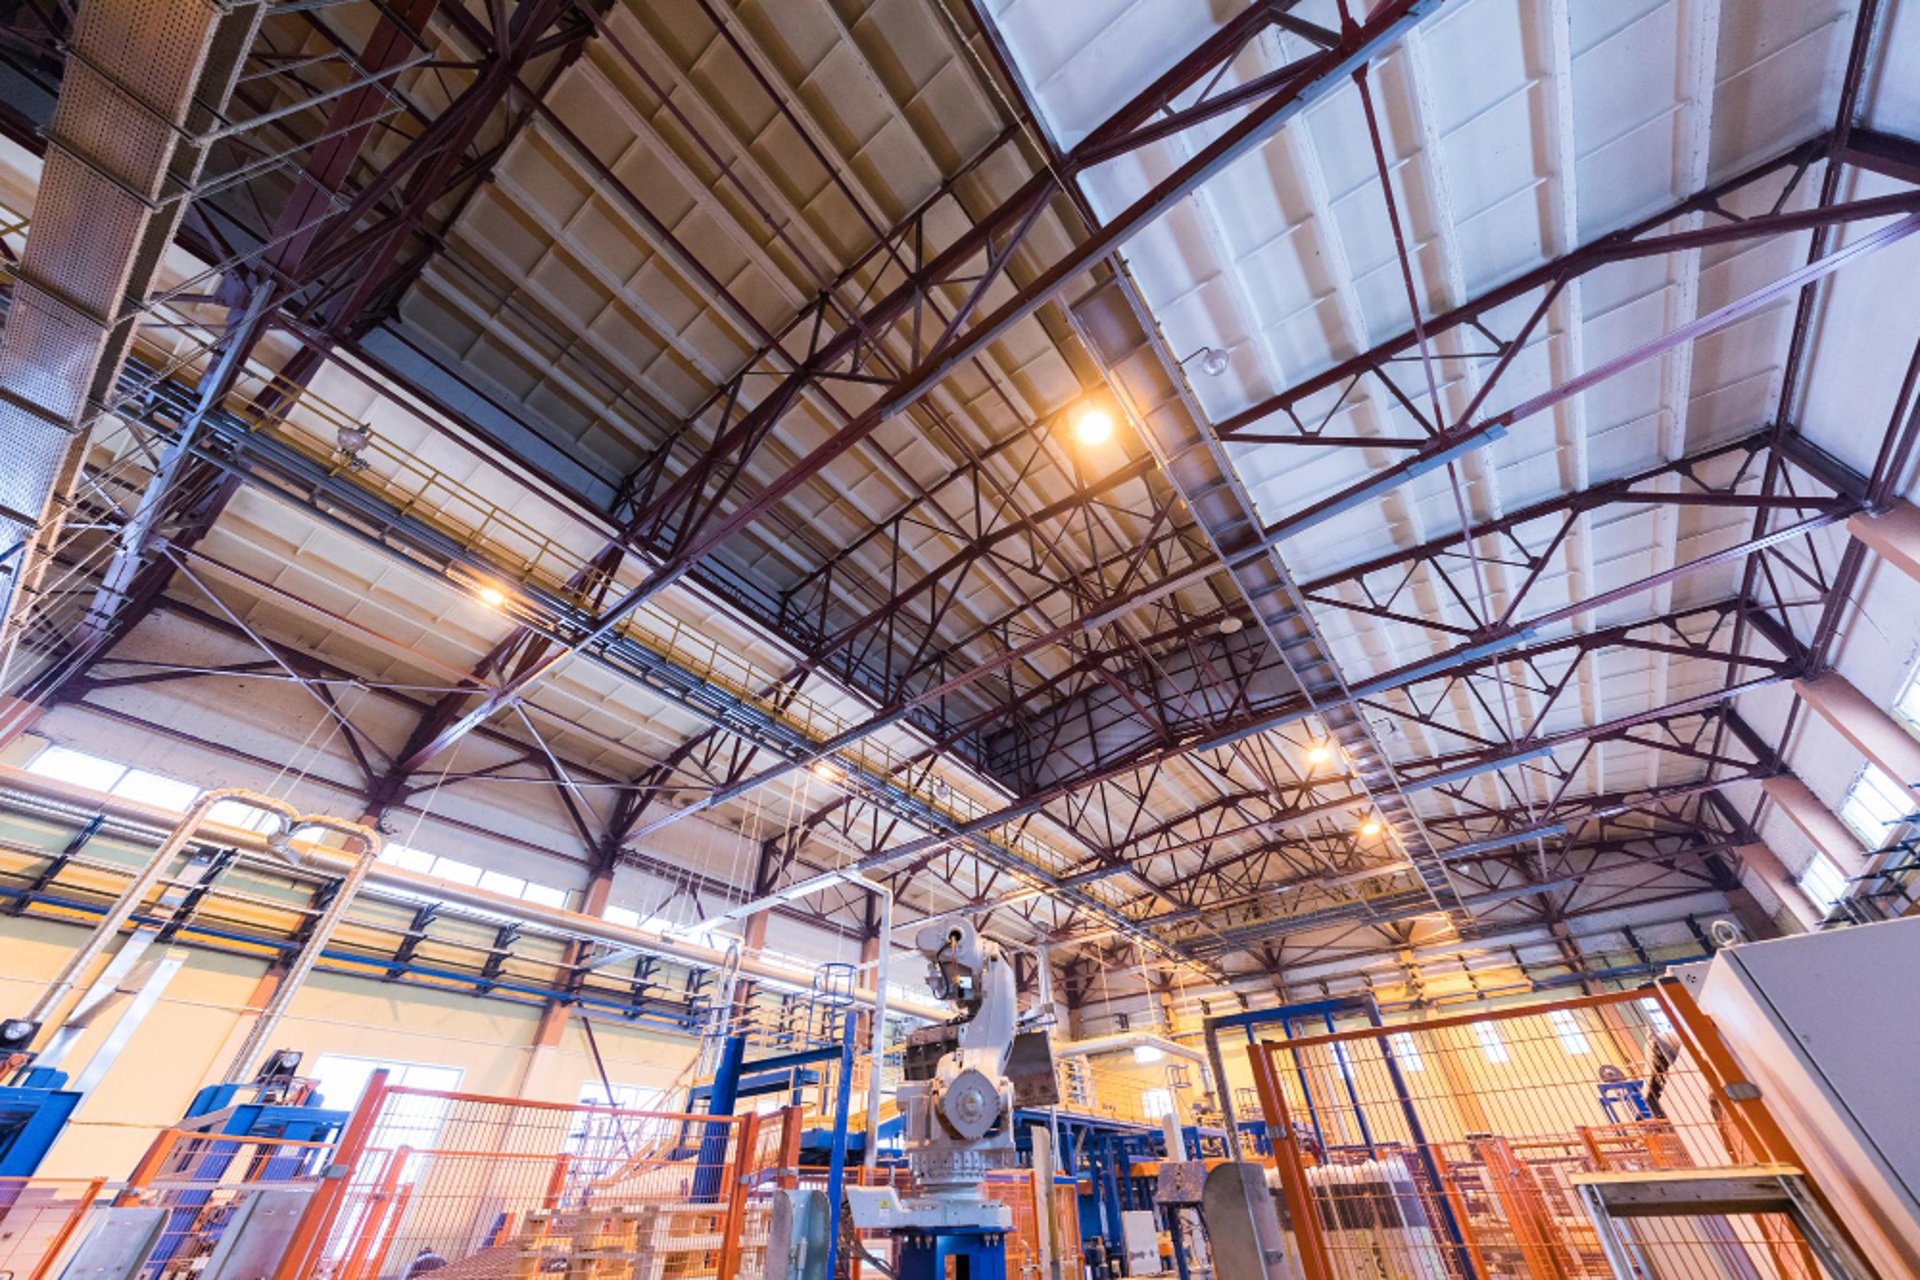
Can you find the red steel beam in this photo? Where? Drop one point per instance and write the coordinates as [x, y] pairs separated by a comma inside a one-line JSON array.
[[738, 441]]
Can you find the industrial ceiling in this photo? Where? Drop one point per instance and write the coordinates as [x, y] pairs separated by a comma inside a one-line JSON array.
[[637, 442]]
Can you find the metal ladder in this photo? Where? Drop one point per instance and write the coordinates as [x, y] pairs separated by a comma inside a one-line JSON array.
[[1611, 1199]]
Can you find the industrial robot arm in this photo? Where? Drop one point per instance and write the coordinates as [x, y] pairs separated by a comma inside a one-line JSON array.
[[971, 1091], [956, 1112]]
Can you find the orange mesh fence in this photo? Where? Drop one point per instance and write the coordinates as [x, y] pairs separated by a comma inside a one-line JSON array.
[[1451, 1148], [474, 1186], [1024, 1254], [39, 1218]]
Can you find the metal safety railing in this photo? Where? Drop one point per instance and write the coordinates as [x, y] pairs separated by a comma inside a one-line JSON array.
[[519, 551], [1455, 1148]]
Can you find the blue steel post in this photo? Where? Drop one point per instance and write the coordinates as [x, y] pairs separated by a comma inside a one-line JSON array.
[[837, 1152], [720, 1102], [1340, 1062]]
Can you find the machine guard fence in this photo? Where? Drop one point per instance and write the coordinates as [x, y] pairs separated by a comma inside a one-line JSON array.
[[205, 1182], [504, 1187], [470, 1185], [1455, 1148], [38, 1217]]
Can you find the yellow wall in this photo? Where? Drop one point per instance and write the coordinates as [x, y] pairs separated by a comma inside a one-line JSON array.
[[188, 1037]]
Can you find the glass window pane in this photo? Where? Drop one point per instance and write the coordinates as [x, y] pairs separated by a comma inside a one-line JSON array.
[[234, 814], [340, 1079], [1490, 1041], [156, 789], [546, 895], [1875, 807], [1907, 705], [500, 882], [77, 768], [625, 917], [1823, 881], [1656, 1016], [458, 872], [1406, 1051], [412, 859], [1565, 1025]]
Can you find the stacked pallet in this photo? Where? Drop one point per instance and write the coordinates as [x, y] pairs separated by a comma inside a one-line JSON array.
[[632, 1242]]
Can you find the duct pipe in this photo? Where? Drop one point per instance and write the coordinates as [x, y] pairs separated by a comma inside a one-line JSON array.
[[81, 803], [1222, 1094], [370, 842], [871, 1154], [135, 894], [1131, 1040]]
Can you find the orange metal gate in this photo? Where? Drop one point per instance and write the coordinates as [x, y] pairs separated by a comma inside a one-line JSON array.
[[1448, 1149]]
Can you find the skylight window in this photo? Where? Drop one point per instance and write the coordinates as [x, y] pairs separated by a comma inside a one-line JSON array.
[[1824, 882], [406, 857], [232, 813], [96, 773], [157, 790], [1490, 1041], [1907, 706], [458, 872], [1875, 807], [501, 882]]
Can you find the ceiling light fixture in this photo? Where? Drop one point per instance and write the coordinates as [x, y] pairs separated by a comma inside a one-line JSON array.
[[1319, 753], [1230, 625], [1372, 827], [492, 596], [1092, 426], [1213, 361], [827, 771]]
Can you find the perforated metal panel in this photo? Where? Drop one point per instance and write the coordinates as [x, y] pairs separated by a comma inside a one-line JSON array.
[[120, 143]]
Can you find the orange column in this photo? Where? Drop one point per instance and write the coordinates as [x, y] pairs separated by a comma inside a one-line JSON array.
[[1806, 811], [310, 1237], [1893, 534]]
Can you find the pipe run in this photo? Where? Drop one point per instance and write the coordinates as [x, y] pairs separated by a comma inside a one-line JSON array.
[[182, 830], [370, 842], [83, 802]]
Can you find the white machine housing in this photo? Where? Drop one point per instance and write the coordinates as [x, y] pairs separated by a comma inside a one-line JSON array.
[[957, 1126], [1825, 1026]]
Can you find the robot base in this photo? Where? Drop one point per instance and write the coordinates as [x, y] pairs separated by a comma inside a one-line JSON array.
[[977, 1253], [883, 1209]]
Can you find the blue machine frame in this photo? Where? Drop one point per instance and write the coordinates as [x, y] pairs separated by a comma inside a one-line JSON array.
[[32, 1114]]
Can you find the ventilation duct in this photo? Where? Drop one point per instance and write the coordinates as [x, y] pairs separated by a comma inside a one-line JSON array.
[[142, 88]]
